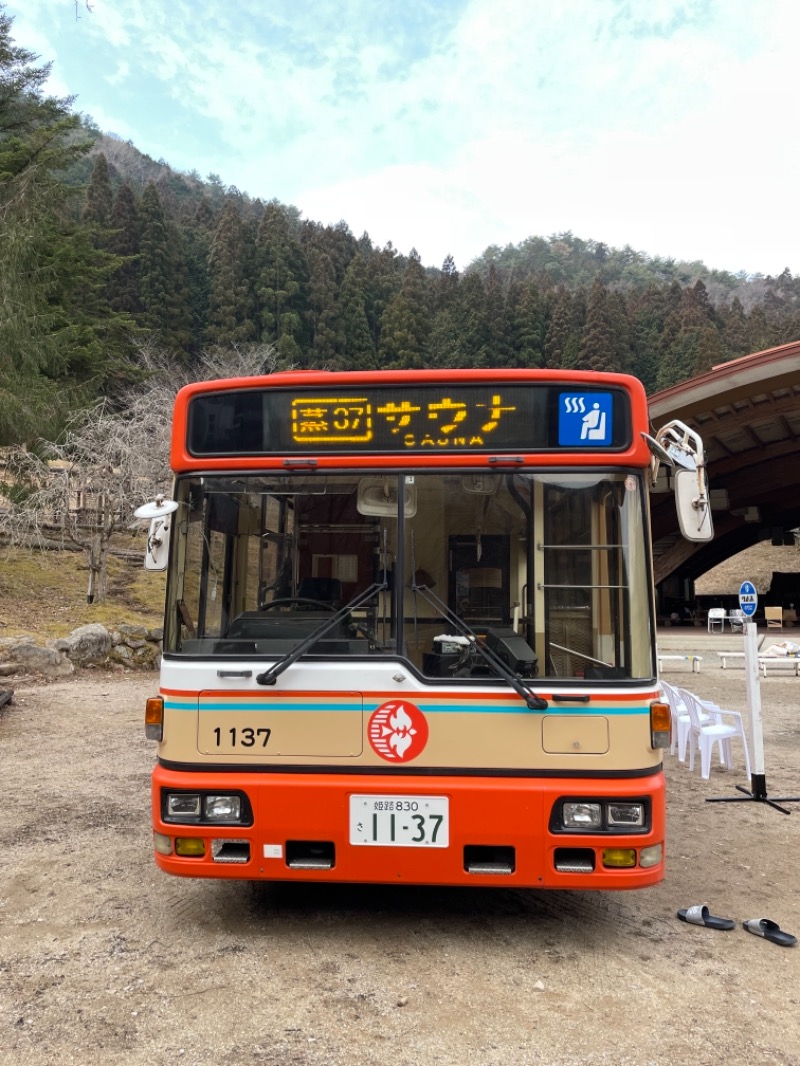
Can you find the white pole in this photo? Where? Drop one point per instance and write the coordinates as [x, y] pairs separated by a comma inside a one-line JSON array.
[[754, 705]]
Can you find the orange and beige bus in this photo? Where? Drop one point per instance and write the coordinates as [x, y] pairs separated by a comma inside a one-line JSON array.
[[409, 631]]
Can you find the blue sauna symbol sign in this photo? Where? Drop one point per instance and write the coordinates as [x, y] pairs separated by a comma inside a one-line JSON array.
[[748, 598], [584, 419]]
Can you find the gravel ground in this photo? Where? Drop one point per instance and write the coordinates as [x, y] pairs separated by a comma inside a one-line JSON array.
[[103, 959]]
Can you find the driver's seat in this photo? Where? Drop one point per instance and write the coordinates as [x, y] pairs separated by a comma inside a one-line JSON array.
[[324, 589]]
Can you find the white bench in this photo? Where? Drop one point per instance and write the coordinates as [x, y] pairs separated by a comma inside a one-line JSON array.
[[763, 661], [695, 660]]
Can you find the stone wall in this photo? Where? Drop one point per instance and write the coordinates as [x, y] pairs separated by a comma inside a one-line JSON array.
[[131, 646]]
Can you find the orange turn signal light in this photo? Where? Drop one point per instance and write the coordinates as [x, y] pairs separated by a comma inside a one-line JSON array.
[[660, 725], [660, 717], [154, 718]]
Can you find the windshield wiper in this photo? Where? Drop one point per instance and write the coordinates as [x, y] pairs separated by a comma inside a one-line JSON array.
[[536, 703], [269, 677]]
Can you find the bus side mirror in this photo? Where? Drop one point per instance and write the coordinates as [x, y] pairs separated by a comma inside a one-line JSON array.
[[160, 513], [693, 504], [155, 557], [680, 447]]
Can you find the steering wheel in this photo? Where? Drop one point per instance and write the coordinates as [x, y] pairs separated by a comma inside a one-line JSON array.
[[301, 600]]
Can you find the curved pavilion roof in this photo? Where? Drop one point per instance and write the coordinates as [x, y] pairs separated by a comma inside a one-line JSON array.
[[747, 412]]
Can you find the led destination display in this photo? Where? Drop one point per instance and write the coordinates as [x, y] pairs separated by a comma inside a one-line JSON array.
[[417, 418]]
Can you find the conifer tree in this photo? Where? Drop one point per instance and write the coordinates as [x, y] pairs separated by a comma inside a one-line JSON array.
[[324, 311], [691, 343], [444, 290], [471, 320], [282, 282], [528, 319], [53, 327], [736, 339], [443, 344], [198, 234], [760, 333], [154, 282], [384, 276], [556, 342], [623, 333], [598, 350], [231, 303], [99, 197], [123, 285], [406, 322], [339, 243], [497, 346], [647, 314], [564, 331], [359, 347], [178, 335]]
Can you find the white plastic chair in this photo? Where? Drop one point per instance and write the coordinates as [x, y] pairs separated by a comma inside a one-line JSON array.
[[678, 713], [719, 730], [681, 721], [716, 619], [737, 619]]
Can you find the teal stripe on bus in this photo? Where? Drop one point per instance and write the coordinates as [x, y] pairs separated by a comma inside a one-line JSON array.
[[254, 705]]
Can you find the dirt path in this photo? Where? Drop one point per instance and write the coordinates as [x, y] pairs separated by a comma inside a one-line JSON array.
[[103, 959]]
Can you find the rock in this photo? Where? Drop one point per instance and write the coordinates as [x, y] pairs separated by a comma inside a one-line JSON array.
[[87, 644], [23, 655], [149, 656]]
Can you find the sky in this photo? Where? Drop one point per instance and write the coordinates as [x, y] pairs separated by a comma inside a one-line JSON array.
[[671, 126]]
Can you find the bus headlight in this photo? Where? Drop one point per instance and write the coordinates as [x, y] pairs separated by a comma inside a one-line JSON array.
[[222, 808], [183, 806], [625, 814], [600, 815], [206, 808], [582, 815]]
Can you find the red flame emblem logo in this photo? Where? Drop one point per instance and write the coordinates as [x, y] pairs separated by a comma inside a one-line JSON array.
[[398, 731]]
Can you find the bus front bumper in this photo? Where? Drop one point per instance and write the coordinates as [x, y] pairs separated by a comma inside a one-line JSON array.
[[442, 830]]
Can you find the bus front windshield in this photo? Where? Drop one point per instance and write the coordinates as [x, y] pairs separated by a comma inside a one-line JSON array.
[[549, 570]]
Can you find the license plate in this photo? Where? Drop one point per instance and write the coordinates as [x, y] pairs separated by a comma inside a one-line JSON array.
[[400, 821]]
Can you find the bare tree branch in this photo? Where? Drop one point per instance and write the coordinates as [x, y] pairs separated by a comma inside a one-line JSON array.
[[83, 488]]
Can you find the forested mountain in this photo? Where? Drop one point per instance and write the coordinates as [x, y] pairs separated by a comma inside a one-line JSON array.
[[102, 248]]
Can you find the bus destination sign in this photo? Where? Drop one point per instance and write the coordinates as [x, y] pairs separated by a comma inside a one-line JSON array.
[[414, 418], [444, 421]]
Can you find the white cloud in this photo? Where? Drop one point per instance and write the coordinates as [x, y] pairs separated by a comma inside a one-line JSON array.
[[454, 124]]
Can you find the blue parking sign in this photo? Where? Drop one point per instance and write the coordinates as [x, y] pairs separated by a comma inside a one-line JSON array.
[[584, 419], [748, 598]]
